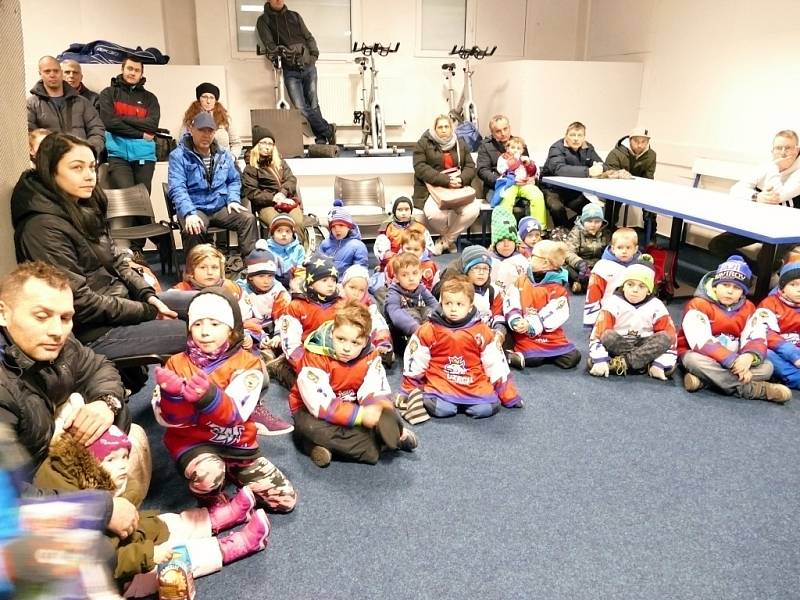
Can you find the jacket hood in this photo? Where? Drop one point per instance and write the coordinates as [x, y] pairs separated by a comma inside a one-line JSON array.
[[560, 277], [30, 197], [320, 341], [625, 144], [705, 290], [396, 286], [39, 90], [608, 255], [188, 143], [282, 251], [469, 320], [74, 463], [118, 81]]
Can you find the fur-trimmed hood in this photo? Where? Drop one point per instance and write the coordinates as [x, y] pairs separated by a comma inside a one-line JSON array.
[[70, 466]]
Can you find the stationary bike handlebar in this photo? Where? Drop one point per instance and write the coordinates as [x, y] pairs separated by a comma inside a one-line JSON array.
[[283, 53], [376, 48], [475, 52]]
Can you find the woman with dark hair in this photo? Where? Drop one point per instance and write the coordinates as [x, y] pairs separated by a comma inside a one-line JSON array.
[[207, 95], [59, 217]]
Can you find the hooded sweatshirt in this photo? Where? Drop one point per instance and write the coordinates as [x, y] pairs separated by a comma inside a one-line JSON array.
[[128, 111], [621, 157]]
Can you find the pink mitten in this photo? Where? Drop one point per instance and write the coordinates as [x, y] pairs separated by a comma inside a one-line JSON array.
[[169, 381], [196, 387]]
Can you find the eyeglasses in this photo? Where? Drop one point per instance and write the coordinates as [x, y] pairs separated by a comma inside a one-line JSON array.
[[481, 269], [784, 148]]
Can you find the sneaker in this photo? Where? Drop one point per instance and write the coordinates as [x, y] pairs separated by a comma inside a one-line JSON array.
[[515, 359], [774, 392], [618, 366], [576, 287], [269, 424], [408, 441], [321, 456], [691, 382], [250, 539]]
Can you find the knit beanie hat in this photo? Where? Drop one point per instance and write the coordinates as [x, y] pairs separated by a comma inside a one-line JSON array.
[[210, 305], [641, 271], [400, 200], [474, 255], [259, 133], [260, 260], [318, 267], [789, 272], [206, 88], [281, 220], [113, 439], [528, 224], [504, 226], [339, 215], [736, 271], [592, 211], [353, 272]]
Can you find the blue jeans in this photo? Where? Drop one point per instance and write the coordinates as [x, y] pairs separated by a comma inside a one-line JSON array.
[[302, 88]]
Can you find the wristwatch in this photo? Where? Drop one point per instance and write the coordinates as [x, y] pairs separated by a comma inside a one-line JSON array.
[[754, 197], [114, 403]]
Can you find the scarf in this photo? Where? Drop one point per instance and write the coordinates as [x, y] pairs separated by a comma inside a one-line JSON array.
[[202, 359], [444, 145], [314, 296], [193, 282]]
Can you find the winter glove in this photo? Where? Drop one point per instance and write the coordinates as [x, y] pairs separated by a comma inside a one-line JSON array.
[[197, 387], [657, 373], [583, 271], [599, 369], [170, 382]]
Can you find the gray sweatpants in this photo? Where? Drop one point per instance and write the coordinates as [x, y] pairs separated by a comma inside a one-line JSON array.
[[712, 373]]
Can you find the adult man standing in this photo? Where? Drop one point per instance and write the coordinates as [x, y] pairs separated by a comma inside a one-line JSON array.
[[278, 26], [490, 150], [56, 106], [73, 75], [42, 364], [204, 186], [773, 182]]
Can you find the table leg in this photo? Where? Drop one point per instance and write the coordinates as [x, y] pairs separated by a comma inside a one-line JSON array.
[[675, 234], [766, 259]]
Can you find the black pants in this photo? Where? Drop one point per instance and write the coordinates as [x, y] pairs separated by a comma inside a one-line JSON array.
[[558, 203], [123, 174], [569, 360], [726, 244], [351, 443], [243, 223]]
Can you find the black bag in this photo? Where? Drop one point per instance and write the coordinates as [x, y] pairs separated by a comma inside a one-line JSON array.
[[165, 144], [323, 151]]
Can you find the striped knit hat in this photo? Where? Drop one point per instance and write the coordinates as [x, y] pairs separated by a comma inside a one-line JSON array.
[[339, 215], [473, 256], [736, 271], [261, 260], [789, 272]]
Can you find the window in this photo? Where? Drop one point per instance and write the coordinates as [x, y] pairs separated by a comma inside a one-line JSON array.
[[329, 21], [443, 24]]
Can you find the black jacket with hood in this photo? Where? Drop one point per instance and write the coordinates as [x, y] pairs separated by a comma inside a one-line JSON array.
[[286, 27], [77, 115], [106, 290]]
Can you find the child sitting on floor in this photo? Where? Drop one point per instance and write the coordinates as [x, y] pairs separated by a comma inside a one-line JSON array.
[[783, 336], [723, 339], [205, 397], [586, 242], [388, 243], [633, 332], [518, 180], [205, 267], [603, 280], [530, 232], [537, 307], [508, 263], [344, 244], [455, 360], [104, 466], [409, 304], [413, 242], [341, 402], [354, 289], [286, 247]]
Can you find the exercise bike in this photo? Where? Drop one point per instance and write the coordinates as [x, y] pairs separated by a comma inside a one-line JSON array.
[[370, 117], [276, 58], [465, 109]]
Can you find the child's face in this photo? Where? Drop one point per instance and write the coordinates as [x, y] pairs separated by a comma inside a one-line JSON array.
[[34, 145], [479, 275], [339, 230], [409, 278], [634, 291], [505, 248], [283, 234], [325, 286], [728, 294], [414, 248], [455, 306], [623, 249], [792, 291], [403, 212], [116, 465], [207, 272], [262, 282], [209, 334], [592, 225], [348, 342], [532, 238], [514, 148], [354, 289]]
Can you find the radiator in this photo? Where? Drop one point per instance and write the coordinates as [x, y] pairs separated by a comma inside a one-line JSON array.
[[340, 95]]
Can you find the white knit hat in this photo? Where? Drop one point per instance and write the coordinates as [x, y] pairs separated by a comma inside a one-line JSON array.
[[211, 306], [354, 271]]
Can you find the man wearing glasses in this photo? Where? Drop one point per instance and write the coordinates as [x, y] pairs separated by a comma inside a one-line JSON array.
[[774, 182]]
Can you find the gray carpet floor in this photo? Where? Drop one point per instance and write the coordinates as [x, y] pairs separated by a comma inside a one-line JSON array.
[[618, 488]]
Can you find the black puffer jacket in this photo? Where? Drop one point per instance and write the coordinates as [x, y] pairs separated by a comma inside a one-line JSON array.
[[260, 184], [286, 27], [488, 153], [30, 391], [428, 166], [84, 122], [107, 291]]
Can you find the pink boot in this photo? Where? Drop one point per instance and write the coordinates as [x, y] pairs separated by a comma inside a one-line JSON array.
[[250, 539], [237, 511]]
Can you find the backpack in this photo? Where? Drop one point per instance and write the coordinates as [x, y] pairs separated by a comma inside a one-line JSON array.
[[165, 144], [665, 264], [470, 134]]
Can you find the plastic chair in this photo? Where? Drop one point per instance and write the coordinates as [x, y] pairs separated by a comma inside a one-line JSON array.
[[135, 202], [366, 197]]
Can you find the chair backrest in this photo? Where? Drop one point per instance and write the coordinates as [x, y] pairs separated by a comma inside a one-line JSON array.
[[102, 176], [173, 217], [720, 169], [360, 192], [129, 202]]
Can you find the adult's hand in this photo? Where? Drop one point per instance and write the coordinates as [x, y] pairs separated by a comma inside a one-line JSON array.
[[768, 197], [89, 422], [455, 182], [124, 518], [193, 225], [148, 136], [370, 415], [279, 198], [596, 169], [236, 207], [164, 311]]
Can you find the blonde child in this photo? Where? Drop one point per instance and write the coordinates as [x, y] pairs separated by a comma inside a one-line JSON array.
[[408, 302], [205, 396], [455, 361], [354, 289], [537, 307], [586, 241], [341, 402], [388, 243], [633, 332], [603, 280], [414, 242], [783, 336], [205, 267], [508, 263], [518, 180]]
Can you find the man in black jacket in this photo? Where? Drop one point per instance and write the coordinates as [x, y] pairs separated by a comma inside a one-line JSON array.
[[490, 150], [73, 75], [278, 26], [42, 364]]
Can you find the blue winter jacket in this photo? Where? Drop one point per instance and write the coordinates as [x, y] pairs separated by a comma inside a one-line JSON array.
[[347, 252], [291, 255], [189, 187]]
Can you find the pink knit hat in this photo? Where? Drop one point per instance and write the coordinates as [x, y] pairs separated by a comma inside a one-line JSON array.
[[113, 439]]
